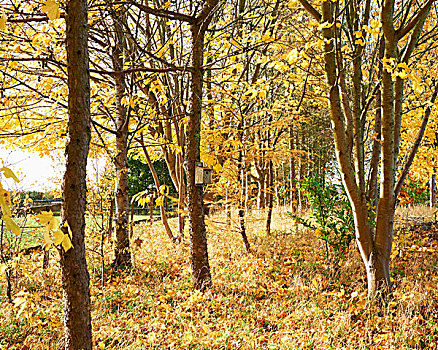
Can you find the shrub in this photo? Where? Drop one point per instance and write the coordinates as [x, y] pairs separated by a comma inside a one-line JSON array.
[[331, 218]]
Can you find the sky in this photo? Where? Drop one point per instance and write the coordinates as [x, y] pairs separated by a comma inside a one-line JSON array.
[[35, 173]]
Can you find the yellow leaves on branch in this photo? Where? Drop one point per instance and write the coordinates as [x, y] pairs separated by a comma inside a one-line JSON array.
[[51, 7], [51, 224], [400, 70], [5, 202]]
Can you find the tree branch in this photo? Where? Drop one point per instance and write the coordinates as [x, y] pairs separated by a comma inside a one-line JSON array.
[[162, 12], [401, 32], [312, 11], [416, 144]]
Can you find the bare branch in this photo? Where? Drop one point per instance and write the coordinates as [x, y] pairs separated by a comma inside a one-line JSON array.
[[312, 11], [401, 32]]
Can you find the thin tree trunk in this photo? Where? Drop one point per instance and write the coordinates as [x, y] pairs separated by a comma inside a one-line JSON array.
[[75, 277], [270, 198], [198, 236], [151, 209], [241, 181], [276, 188], [261, 199], [111, 216], [131, 222], [181, 196], [122, 254], [227, 208], [433, 191], [157, 186], [242, 209], [293, 174]]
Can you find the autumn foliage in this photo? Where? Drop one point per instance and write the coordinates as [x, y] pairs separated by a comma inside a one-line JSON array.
[[309, 114], [278, 297]]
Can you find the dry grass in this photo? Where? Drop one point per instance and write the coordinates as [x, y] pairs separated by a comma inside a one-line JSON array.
[[279, 297]]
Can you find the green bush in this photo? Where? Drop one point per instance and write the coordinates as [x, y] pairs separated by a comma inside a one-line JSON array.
[[331, 218]]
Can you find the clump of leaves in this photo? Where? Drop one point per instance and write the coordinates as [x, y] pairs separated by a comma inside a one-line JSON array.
[[331, 218], [413, 192]]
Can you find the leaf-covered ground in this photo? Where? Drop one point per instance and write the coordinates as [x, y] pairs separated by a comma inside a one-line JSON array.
[[279, 297]]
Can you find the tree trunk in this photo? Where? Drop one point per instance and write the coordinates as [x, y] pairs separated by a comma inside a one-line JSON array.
[[293, 174], [261, 198], [277, 194], [433, 191], [181, 197], [198, 236], [241, 180], [122, 254], [270, 198], [110, 220], [75, 277]]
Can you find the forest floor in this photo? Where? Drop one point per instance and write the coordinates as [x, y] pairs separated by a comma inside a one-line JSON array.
[[279, 297]]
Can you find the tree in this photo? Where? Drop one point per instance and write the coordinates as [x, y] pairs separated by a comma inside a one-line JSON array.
[[122, 254], [353, 82], [75, 277]]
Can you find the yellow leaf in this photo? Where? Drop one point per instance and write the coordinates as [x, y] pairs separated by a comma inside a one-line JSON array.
[[292, 56], [159, 201], [8, 173], [265, 38], [324, 25], [101, 345], [360, 42], [47, 239], [53, 223], [58, 236], [358, 34], [5, 202], [402, 65], [6, 197], [217, 168], [51, 7], [44, 217], [375, 23], [3, 20], [66, 243], [11, 225], [3, 268]]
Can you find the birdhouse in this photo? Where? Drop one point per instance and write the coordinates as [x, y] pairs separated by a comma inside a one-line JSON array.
[[202, 175]]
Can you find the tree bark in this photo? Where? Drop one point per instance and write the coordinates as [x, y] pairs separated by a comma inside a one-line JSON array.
[[270, 197], [241, 180], [75, 277], [198, 236], [292, 175], [122, 254]]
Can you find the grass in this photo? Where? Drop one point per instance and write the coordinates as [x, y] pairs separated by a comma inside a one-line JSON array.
[[278, 297]]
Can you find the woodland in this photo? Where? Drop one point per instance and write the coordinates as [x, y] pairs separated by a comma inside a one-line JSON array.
[[267, 174]]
